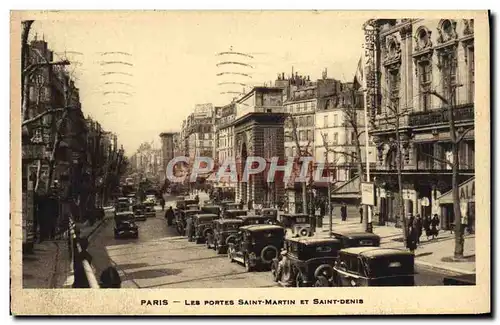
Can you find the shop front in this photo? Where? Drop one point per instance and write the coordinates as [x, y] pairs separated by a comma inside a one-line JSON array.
[[467, 202]]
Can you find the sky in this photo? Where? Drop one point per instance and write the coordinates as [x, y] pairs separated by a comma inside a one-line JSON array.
[[172, 59]]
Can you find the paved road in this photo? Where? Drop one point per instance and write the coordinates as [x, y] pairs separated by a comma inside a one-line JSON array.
[[160, 258]]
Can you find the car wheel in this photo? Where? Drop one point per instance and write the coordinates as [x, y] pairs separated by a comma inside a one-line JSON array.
[[248, 267], [321, 281]]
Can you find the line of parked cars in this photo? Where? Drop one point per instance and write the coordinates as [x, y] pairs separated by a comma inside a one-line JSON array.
[[287, 246]]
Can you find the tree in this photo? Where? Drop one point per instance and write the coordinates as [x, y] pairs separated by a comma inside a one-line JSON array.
[[456, 138], [350, 110], [394, 120], [302, 151]]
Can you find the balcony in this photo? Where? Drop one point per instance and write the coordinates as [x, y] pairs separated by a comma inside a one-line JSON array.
[[436, 117]]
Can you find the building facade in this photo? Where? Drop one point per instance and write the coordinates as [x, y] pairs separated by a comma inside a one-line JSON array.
[[425, 68]]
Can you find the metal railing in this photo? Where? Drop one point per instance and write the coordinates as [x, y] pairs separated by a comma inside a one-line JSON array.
[[84, 276]]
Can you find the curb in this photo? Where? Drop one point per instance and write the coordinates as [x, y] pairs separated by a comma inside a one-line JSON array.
[[432, 266]]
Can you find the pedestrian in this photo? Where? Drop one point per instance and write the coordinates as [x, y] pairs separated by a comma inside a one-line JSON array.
[[418, 225], [162, 203], [110, 278], [411, 235], [250, 205], [343, 212], [427, 226], [241, 204], [169, 215], [361, 214], [434, 226], [197, 199]]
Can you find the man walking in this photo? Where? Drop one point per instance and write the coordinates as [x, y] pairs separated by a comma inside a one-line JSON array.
[[162, 203], [361, 214], [343, 212]]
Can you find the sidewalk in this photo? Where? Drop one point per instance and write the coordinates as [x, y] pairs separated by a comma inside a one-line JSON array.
[[435, 254], [50, 263]]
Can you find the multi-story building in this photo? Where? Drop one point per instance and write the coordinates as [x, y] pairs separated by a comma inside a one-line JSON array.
[[408, 59], [224, 138], [168, 151]]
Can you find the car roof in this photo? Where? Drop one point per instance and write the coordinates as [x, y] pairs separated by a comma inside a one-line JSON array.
[[206, 215], [355, 234], [314, 240], [253, 216], [372, 252], [254, 228], [295, 215], [223, 221], [211, 206], [236, 210], [123, 213]]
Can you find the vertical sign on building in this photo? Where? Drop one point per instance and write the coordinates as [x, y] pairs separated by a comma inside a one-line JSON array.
[[370, 70]]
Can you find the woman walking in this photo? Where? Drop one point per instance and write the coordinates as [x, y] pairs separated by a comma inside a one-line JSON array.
[[411, 237], [427, 226], [434, 226]]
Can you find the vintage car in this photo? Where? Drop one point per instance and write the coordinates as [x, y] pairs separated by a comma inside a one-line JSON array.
[[232, 213], [139, 212], [304, 259], [181, 220], [149, 209], [191, 202], [180, 203], [125, 225], [192, 207], [224, 232], [372, 267], [215, 209], [269, 212], [297, 225], [203, 225], [256, 245], [357, 239], [256, 219]]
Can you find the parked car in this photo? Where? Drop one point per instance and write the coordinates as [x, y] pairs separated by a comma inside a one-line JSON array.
[[149, 209], [181, 220], [372, 267], [257, 245], [139, 212], [203, 226], [215, 209], [269, 212], [233, 213], [357, 239], [224, 232], [180, 203], [192, 207], [297, 225], [255, 219], [125, 226], [304, 260]]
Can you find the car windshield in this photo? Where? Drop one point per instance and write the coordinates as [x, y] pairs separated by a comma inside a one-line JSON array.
[[231, 226], [322, 250], [389, 266]]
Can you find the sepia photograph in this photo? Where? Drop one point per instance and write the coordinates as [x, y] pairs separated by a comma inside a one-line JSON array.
[[250, 162]]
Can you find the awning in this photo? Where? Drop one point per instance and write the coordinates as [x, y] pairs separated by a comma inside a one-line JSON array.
[[466, 192]]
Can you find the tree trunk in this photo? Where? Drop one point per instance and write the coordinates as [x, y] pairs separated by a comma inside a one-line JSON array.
[[304, 197], [399, 161], [459, 238]]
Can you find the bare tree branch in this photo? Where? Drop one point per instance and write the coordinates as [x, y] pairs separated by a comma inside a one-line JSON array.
[[49, 111], [462, 136]]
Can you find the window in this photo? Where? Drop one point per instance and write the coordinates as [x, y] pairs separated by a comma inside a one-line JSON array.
[[313, 106], [471, 73], [302, 135], [310, 135], [394, 84], [449, 74], [325, 121], [424, 69], [301, 121], [288, 152], [353, 137], [310, 121], [335, 120], [306, 106], [335, 138], [294, 151]]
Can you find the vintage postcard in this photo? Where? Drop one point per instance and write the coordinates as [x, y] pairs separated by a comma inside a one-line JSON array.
[[250, 162]]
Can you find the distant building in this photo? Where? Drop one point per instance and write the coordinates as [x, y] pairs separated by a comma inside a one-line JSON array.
[[168, 150]]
